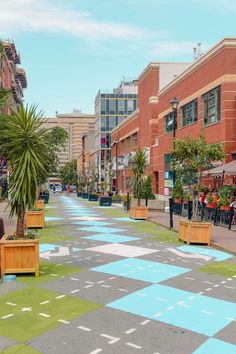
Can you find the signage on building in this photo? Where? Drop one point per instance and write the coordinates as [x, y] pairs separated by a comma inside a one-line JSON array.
[[147, 152], [120, 163]]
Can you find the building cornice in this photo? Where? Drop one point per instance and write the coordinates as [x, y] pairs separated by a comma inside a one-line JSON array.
[[229, 42]]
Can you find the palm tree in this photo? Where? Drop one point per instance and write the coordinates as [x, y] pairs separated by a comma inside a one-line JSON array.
[[138, 164], [26, 155]]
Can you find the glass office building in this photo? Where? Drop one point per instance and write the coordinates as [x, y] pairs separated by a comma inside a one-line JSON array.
[[110, 110]]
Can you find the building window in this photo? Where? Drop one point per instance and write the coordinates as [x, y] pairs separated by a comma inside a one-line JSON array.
[[135, 139], [189, 113], [112, 106], [128, 143], [121, 106], [169, 122], [103, 107], [130, 106], [211, 106]]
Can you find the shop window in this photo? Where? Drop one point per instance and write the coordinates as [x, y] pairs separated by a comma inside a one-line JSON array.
[[135, 139]]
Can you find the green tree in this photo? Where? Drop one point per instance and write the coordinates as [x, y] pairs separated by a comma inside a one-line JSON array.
[[68, 173], [138, 164], [190, 158], [25, 142], [54, 141], [147, 189]]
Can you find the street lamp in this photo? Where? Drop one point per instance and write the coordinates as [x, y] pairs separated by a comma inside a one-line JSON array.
[[116, 142], [174, 104]]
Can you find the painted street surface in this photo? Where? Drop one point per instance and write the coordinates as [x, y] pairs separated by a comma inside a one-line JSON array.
[[109, 284]]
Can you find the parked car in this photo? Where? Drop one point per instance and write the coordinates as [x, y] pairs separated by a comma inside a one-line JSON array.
[[58, 188]]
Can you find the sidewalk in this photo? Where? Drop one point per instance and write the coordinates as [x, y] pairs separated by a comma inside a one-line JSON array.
[[221, 236], [8, 223]]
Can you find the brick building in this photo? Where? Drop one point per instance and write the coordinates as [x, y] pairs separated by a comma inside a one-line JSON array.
[[12, 77], [206, 91]]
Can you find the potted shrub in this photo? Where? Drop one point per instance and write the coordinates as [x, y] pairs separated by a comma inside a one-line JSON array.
[[105, 201], [138, 164], [25, 152], [116, 198], [210, 202], [147, 190], [178, 191], [224, 198], [93, 197], [190, 158]]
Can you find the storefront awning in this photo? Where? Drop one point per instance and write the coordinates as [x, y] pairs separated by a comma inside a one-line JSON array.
[[228, 169]]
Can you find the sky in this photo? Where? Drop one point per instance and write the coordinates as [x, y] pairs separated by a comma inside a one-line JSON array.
[[72, 48]]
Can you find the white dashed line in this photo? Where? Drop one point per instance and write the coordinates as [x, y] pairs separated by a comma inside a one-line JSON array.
[[88, 286], [60, 296], [74, 291], [207, 312], [208, 289], [131, 330], [231, 319], [74, 279], [145, 322], [44, 314], [44, 302], [7, 316], [86, 329], [63, 321], [54, 275], [158, 314], [96, 351], [124, 290], [10, 304], [134, 345], [106, 286], [228, 287]]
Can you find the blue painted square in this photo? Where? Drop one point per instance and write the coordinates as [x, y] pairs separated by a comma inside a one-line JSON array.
[[52, 218], [43, 247], [197, 313], [104, 230], [112, 238], [218, 255], [216, 346], [93, 223], [140, 269]]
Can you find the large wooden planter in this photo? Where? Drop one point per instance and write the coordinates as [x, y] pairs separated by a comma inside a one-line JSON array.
[[195, 231], [39, 204], [34, 219], [139, 212], [19, 256], [105, 201], [93, 197]]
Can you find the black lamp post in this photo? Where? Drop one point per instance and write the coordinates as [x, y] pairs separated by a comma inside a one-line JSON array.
[[116, 152], [174, 104]]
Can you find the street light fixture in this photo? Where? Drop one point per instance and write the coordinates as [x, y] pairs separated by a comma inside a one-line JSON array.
[[116, 142], [174, 104]]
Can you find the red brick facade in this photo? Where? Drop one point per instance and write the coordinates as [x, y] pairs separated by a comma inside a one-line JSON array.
[[217, 68]]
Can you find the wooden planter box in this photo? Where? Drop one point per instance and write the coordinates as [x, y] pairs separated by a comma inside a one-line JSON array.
[[195, 232], [105, 201], [39, 204], [93, 197], [34, 219], [19, 256], [139, 212]]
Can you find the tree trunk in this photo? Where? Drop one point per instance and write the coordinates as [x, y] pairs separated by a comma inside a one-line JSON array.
[[146, 202], [20, 223], [139, 202]]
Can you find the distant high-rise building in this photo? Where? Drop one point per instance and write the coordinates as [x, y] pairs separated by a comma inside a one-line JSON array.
[[111, 108], [76, 124]]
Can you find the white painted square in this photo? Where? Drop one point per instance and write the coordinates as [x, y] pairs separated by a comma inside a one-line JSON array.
[[122, 250], [87, 218]]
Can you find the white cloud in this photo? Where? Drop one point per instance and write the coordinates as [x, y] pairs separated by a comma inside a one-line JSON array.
[[41, 15]]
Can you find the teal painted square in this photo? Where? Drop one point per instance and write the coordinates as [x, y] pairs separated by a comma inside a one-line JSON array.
[[218, 255], [140, 269], [104, 230], [52, 218], [197, 313], [216, 346], [43, 247], [112, 238]]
